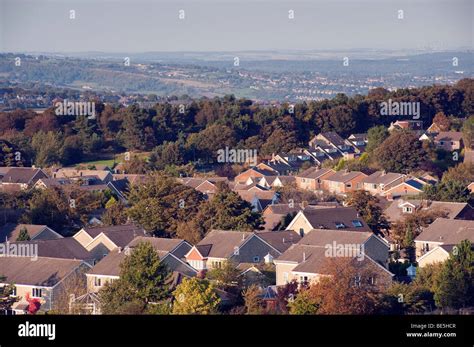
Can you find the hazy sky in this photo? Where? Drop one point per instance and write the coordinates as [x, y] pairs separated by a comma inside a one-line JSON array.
[[231, 25]]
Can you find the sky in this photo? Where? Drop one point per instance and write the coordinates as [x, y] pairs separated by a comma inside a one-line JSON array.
[[230, 25]]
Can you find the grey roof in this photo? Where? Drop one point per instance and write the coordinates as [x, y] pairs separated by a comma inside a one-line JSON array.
[[314, 172], [121, 235], [344, 176], [382, 177], [221, 243], [64, 248], [328, 218], [453, 209], [449, 136], [323, 237], [281, 240], [44, 271], [11, 231], [158, 243], [448, 231], [21, 175], [334, 138]]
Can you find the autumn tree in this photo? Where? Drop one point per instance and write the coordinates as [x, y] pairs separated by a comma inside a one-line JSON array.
[[195, 296], [226, 276], [442, 121], [369, 209], [253, 300], [468, 132], [6, 300]]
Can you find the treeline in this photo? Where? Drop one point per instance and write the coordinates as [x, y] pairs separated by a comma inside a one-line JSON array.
[[179, 133]]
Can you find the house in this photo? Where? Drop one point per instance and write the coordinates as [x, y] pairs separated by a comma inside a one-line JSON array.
[[331, 143], [412, 186], [338, 218], [41, 279], [170, 251], [306, 261], [400, 208], [343, 182], [433, 129], [380, 181], [103, 239], [207, 186], [10, 232], [437, 240], [275, 167], [19, 178], [286, 163], [413, 125], [312, 178], [84, 176], [276, 181], [274, 214], [239, 247], [359, 141], [259, 199], [254, 173], [449, 140]]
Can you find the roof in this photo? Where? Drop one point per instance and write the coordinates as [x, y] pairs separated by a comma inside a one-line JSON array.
[[314, 172], [449, 136], [44, 271], [334, 138], [328, 218], [221, 243], [64, 248], [72, 172], [113, 230], [11, 231], [394, 211], [448, 231], [382, 177], [158, 243], [20, 175], [344, 176], [280, 240], [323, 237]]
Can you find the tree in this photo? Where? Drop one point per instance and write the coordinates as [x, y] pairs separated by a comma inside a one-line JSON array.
[[144, 280], [468, 132], [455, 283], [6, 301], [47, 147], [375, 137], [350, 287], [368, 207], [195, 296], [401, 152], [23, 235], [463, 172], [115, 214], [442, 121], [306, 302], [454, 191], [161, 203], [252, 298], [226, 276], [403, 298]]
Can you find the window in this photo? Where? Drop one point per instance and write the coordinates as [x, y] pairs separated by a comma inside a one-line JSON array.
[[13, 291], [303, 180], [374, 186], [372, 280], [357, 281], [407, 209], [256, 259], [357, 223], [301, 232], [348, 185], [37, 292], [216, 264], [304, 279], [285, 277], [97, 282], [340, 225]]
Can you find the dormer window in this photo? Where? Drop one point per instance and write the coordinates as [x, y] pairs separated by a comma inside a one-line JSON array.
[[357, 223], [340, 225], [407, 209]]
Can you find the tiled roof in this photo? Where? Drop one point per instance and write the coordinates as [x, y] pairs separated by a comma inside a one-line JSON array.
[[448, 231]]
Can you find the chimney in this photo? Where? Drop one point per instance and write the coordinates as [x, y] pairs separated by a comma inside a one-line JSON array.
[[304, 257], [120, 249], [283, 240], [243, 237]]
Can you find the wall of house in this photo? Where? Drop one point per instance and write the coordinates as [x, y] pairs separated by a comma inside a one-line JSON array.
[[438, 255], [306, 183], [421, 247], [101, 239], [82, 237], [300, 223], [91, 287], [23, 290], [402, 191], [282, 269]]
